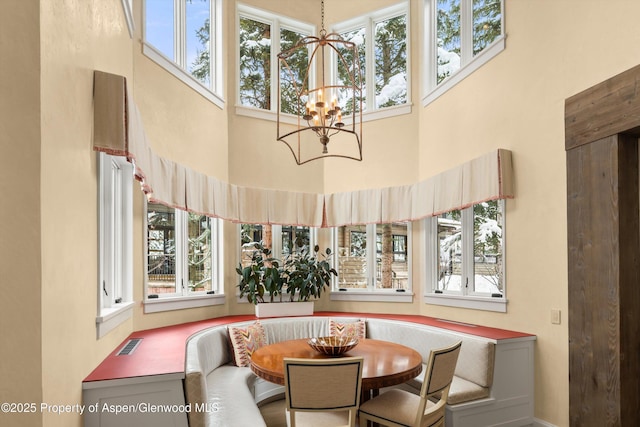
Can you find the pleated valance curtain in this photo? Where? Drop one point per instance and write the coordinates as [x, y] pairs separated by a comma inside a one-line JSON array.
[[118, 130]]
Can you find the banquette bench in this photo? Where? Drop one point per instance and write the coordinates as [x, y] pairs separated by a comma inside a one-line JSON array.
[[493, 383]]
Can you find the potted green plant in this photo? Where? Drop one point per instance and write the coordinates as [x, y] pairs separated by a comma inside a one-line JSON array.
[[302, 276], [261, 278]]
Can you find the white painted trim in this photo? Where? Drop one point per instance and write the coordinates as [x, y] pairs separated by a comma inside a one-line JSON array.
[[476, 303], [156, 56], [127, 7], [482, 58], [110, 318], [372, 296], [540, 423], [368, 21], [383, 113], [156, 305], [115, 263]]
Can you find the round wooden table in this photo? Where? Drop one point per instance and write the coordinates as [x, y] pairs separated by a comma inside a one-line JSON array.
[[385, 363]]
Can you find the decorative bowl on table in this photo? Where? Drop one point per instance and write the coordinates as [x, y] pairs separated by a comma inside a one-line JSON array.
[[333, 346]]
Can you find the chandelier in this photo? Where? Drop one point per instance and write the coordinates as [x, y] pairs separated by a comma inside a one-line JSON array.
[[320, 117]]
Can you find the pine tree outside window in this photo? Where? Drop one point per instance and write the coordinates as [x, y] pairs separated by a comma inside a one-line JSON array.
[[465, 257], [383, 46], [460, 36], [261, 36]]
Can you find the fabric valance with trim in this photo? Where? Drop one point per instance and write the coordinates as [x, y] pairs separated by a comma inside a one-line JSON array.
[[118, 130]]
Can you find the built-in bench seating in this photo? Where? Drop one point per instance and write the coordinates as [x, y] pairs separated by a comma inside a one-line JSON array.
[[184, 375], [212, 380]]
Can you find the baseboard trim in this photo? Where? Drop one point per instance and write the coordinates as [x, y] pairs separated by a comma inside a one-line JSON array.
[[539, 423]]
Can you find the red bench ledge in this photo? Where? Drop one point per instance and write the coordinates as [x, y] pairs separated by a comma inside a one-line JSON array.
[[163, 349]]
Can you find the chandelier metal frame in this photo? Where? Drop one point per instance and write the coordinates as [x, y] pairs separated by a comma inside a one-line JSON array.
[[318, 102]]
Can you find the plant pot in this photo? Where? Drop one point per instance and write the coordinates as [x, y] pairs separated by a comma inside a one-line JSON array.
[[284, 309]]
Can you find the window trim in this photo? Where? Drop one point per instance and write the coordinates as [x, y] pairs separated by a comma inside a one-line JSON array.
[[215, 93], [262, 16], [187, 299], [471, 300], [276, 246], [369, 20], [371, 294], [469, 64], [276, 22], [111, 313], [127, 7]]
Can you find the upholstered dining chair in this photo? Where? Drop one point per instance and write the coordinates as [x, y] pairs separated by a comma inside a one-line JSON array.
[[400, 408], [322, 392]]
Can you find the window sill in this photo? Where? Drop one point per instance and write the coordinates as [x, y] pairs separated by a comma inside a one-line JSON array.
[[472, 302], [384, 113], [179, 303], [477, 62], [110, 318], [372, 296], [157, 57]]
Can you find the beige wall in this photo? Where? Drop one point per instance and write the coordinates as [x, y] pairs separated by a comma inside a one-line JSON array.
[[256, 158], [48, 252], [76, 38], [554, 50], [20, 250]]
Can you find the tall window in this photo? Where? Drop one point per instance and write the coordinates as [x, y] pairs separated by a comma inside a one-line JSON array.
[[182, 253], [465, 251], [383, 46], [184, 36], [261, 36], [373, 257], [115, 283], [460, 37]]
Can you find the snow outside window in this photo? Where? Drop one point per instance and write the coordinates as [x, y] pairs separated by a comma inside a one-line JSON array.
[[261, 36], [373, 260], [465, 254], [460, 36], [115, 281], [383, 46], [182, 258], [185, 37]]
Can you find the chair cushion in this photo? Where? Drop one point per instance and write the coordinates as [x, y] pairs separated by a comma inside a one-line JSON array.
[[245, 341], [401, 407], [465, 391], [315, 419], [461, 390], [353, 329]]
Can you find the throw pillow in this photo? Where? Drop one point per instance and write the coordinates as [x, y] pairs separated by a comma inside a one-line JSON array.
[[355, 329], [245, 341]]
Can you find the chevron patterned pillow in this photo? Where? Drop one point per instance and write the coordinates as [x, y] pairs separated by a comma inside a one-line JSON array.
[[245, 341], [355, 329]]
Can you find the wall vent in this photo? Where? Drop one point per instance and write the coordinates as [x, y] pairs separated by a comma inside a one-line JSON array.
[[129, 347]]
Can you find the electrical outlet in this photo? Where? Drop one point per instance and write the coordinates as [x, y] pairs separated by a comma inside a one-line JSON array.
[[555, 317]]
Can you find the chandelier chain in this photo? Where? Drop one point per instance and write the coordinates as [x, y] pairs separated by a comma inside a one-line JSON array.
[[322, 14]]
